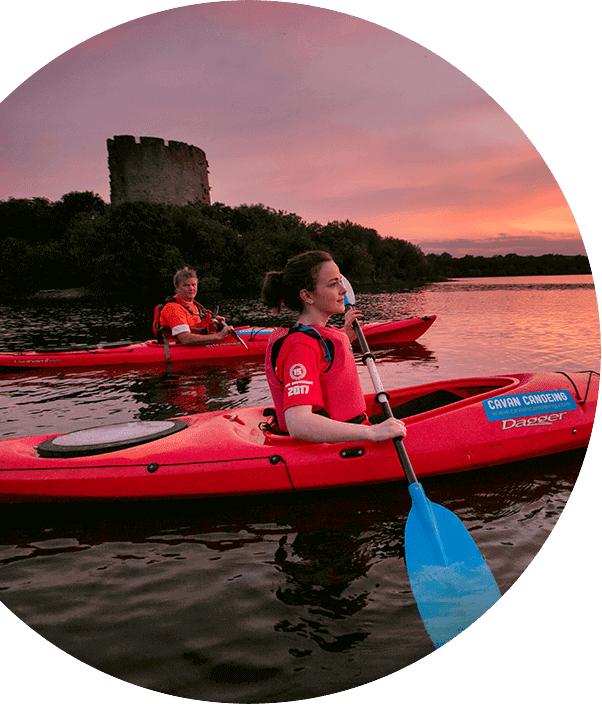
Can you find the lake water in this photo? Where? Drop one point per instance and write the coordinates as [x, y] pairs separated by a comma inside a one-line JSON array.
[[279, 598]]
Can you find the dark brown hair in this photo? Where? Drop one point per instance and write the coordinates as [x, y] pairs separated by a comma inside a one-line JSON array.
[[300, 272]]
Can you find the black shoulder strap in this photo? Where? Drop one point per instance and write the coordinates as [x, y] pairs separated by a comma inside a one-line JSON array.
[[327, 344], [157, 324], [169, 299], [201, 310]]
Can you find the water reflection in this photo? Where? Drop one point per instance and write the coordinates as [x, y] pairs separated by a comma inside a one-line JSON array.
[[289, 596], [484, 326], [321, 566], [342, 530], [410, 352], [46, 401], [192, 391], [306, 578], [518, 283]]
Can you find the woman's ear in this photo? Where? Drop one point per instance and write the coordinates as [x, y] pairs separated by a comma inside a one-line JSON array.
[[306, 296]]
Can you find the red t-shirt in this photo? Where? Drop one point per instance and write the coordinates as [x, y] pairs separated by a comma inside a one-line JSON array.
[[299, 365], [303, 376]]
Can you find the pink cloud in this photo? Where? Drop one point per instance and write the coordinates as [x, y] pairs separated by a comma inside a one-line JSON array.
[[299, 108]]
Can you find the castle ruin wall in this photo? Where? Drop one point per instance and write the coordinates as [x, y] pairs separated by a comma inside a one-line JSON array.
[[151, 171]]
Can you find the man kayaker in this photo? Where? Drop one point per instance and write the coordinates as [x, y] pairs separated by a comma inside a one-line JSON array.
[[185, 320], [310, 367]]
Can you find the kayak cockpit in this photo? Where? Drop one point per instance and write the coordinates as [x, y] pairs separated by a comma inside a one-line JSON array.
[[427, 398], [430, 398]]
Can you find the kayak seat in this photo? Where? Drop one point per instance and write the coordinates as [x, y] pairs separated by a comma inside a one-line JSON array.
[[421, 404]]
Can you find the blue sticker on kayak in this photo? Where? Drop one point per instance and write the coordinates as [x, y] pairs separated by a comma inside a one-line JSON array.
[[264, 331], [520, 405]]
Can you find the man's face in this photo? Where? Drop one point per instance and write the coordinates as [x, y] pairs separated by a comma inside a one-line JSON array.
[[186, 289]]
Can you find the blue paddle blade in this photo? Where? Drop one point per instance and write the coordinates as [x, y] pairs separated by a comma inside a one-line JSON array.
[[350, 295], [451, 581]]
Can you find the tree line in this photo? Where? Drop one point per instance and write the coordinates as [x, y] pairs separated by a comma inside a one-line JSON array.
[[134, 249], [446, 266]]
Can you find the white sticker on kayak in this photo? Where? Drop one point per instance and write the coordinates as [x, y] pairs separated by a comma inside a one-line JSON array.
[[521, 405]]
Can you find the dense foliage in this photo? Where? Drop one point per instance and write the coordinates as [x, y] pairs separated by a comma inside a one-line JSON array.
[[134, 249]]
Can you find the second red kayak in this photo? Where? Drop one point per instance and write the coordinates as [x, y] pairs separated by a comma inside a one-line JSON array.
[[152, 352]]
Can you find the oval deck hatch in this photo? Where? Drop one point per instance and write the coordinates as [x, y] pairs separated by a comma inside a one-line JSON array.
[[108, 438]]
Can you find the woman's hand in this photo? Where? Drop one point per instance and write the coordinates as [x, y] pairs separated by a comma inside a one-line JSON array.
[[388, 429], [350, 316]]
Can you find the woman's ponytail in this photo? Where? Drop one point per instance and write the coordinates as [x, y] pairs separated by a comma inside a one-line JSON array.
[[300, 272]]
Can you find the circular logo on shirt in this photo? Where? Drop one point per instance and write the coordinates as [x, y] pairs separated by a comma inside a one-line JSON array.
[[297, 371]]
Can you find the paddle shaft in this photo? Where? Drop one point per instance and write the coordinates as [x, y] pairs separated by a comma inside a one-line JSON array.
[[383, 399], [232, 332], [450, 580]]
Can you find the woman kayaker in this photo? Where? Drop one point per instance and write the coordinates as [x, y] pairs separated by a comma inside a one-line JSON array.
[[182, 319], [310, 368]]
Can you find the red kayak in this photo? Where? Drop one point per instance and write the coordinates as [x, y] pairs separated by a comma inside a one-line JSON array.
[[152, 352], [453, 426]]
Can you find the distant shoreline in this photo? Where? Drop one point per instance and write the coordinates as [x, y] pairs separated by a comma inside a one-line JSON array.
[[63, 293], [73, 293]]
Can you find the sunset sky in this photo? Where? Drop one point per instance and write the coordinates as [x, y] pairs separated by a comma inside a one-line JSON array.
[[302, 109]]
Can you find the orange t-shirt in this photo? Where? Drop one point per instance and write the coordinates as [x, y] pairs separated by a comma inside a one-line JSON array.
[[181, 317]]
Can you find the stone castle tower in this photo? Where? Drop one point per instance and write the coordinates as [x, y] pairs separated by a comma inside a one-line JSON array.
[[150, 171]]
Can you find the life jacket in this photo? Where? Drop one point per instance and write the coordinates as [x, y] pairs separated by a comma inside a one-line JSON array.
[[327, 344], [204, 314], [341, 390]]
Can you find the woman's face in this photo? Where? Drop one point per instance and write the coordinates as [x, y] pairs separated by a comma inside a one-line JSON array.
[[328, 295]]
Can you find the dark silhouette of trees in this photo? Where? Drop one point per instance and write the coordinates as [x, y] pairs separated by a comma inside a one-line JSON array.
[[133, 249], [446, 266]]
